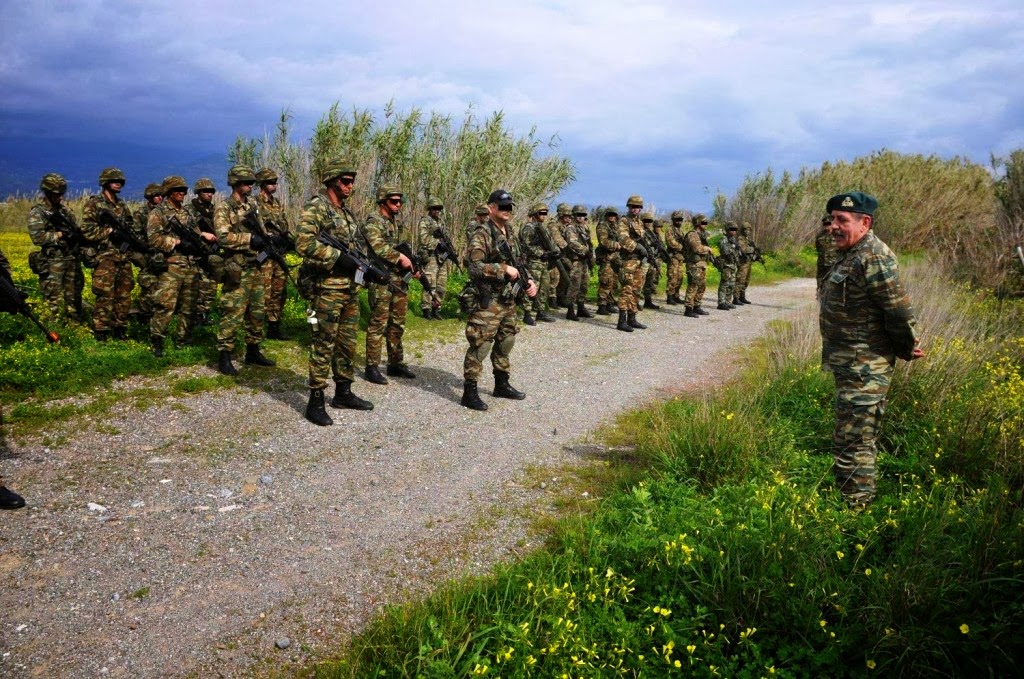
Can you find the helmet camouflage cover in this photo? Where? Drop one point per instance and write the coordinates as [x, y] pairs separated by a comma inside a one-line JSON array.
[[335, 168], [173, 182], [481, 210], [646, 217], [634, 201], [203, 184], [563, 209], [699, 219], [152, 191], [386, 191], [53, 183], [678, 215], [266, 176], [111, 174], [537, 208], [434, 203], [580, 210], [611, 211], [239, 174]]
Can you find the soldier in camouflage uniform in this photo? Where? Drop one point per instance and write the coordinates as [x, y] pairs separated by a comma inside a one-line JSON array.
[[748, 252], [825, 245], [697, 252], [149, 268], [674, 246], [490, 300], [387, 307], [866, 322], [581, 223], [436, 272], [538, 260], [8, 498], [631, 274], [200, 211], [275, 279], [58, 264], [112, 280], [334, 302], [652, 272], [575, 254], [178, 286], [609, 260], [242, 237], [480, 217], [728, 262]]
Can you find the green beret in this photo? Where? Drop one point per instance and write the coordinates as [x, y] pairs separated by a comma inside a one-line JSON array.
[[855, 201]]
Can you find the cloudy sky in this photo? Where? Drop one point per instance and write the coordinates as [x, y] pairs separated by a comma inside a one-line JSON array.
[[671, 100]]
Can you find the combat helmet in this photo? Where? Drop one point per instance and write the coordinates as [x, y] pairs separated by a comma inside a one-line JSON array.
[[612, 210], [698, 219], [481, 210], [434, 203], [563, 209], [634, 201], [646, 217], [173, 182], [335, 167], [386, 191], [580, 210], [152, 191], [203, 184], [266, 176], [537, 208], [240, 174], [53, 183], [678, 215], [111, 174]]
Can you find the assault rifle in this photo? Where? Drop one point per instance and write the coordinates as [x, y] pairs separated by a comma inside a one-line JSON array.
[[520, 284], [72, 233], [553, 254], [13, 298], [758, 257], [405, 247], [655, 247], [195, 245], [123, 234], [357, 265], [269, 249], [445, 251]]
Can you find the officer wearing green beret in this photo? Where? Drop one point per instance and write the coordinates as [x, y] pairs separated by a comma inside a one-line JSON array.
[[866, 323]]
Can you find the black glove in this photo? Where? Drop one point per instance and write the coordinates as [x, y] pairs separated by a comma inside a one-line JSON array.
[[257, 242], [641, 251]]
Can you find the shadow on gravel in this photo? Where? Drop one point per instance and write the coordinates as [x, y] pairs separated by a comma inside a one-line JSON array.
[[443, 383], [279, 384]]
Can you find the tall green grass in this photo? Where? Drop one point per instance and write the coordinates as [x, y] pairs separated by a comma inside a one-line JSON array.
[[736, 556]]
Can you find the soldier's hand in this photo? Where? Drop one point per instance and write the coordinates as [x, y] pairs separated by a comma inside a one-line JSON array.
[[917, 353], [531, 291], [511, 272], [404, 261]]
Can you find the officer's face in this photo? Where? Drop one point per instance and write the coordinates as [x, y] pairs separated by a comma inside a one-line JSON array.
[[848, 228], [344, 185], [500, 214]]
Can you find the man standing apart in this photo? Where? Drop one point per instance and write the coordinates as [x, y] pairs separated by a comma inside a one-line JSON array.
[[697, 252], [729, 260], [112, 279], [436, 272], [537, 259], [748, 253], [674, 246], [334, 305], [866, 323], [58, 264], [240, 232], [492, 315], [275, 223], [387, 308]]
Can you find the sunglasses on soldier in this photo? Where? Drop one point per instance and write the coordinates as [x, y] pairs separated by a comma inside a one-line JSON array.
[[347, 181]]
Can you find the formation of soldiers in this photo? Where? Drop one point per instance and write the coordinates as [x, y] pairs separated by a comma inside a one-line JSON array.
[[185, 251]]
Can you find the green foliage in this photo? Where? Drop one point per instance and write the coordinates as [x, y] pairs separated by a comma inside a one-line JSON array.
[[737, 557]]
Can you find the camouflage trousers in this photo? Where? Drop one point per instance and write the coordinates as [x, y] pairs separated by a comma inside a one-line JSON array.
[[207, 293], [675, 274], [490, 330], [631, 277], [542, 275], [147, 281], [860, 404], [556, 288], [62, 284], [576, 286], [176, 291], [652, 275], [696, 283], [334, 335], [742, 278], [112, 284], [727, 284], [560, 284], [437, 277], [242, 303], [607, 279], [275, 288], [387, 319]]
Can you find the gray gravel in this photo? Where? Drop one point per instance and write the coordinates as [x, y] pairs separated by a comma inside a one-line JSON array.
[[220, 534]]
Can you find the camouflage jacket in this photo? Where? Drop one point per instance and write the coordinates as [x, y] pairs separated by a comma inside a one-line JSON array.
[[825, 245], [382, 235], [42, 229], [95, 206], [426, 243], [234, 235], [201, 212], [485, 260], [575, 248], [631, 234], [865, 316], [674, 238], [607, 238], [695, 248], [5, 266], [532, 240], [142, 219], [470, 228], [320, 215], [730, 250], [159, 230], [275, 219], [747, 247]]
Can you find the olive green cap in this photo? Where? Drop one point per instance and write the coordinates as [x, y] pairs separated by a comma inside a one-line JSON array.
[[855, 201]]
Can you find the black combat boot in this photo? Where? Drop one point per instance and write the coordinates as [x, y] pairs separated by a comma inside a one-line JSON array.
[[315, 411], [436, 314], [372, 374], [561, 303], [101, 335], [224, 364], [725, 307], [158, 346], [400, 370], [613, 307], [690, 313], [633, 323], [344, 398], [502, 389], [9, 499], [671, 300], [254, 357], [274, 331], [700, 311], [471, 397], [623, 325], [743, 298], [528, 319], [649, 303], [571, 315], [603, 310], [545, 317], [582, 312]]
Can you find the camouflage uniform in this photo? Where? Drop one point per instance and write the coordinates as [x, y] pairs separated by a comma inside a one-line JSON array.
[[866, 322], [697, 252], [729, 260], [533, 247], [747, 253], [435, 272], [112, 280], [575, 255], [825, 246], [557, 291], [609, 261], [201, 211], [148, 274], [674, 247], [480, 217], [178, 286], [242, 291], [631, 274], [61, 279], [388, 309], [275, 280], [652, 272], [582, 225]]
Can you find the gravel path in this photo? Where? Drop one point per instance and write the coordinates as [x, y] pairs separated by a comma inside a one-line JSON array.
[[202, 534]]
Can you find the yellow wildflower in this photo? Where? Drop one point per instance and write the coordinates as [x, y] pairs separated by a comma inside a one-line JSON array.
[[964, 629]]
